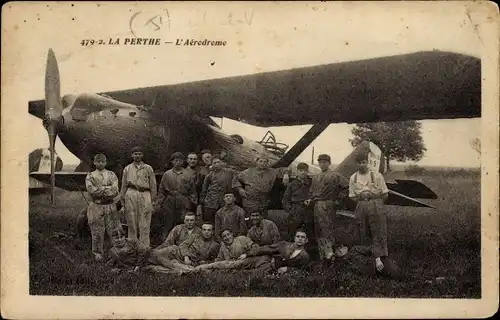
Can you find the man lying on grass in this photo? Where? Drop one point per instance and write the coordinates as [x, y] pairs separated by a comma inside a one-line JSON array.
[[124, 253], [243, 253], [288, 256]]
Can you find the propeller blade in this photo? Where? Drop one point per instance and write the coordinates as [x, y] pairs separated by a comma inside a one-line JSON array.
[[53, 105], [53, 112], [52, 141]]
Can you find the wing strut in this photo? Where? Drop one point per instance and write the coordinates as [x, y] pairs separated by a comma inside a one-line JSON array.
[[301, 145]]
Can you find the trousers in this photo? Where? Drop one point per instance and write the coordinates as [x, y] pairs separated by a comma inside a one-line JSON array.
[[138, 210], [209, 214], [299, 217], [174, 209], [324, 223], [373, 220], [102, 218]]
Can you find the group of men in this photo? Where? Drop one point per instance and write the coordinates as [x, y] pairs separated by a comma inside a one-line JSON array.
[[205, 229]]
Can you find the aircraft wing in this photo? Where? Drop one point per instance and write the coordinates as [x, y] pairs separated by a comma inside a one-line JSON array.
[[71, 181], [398, 199], [421, 85]]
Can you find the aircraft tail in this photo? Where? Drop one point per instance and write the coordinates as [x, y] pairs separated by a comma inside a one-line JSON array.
[[402, 192], [376, 160]]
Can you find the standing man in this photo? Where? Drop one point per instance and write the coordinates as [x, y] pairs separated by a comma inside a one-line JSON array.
[[176, 194], [138, 193], [254, 185], [102, 185], [217, 183], [231, 217], [296, 193], [206, 157], [195, 172], [326, 188], [263, 232], [368, 188]]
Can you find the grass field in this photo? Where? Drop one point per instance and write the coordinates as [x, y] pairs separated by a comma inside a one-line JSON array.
[[425, 243]]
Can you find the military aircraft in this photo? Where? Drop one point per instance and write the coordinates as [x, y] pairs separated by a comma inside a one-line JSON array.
[[169, 118]]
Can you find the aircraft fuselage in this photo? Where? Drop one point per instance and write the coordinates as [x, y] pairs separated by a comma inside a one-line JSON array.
[[90, 127]]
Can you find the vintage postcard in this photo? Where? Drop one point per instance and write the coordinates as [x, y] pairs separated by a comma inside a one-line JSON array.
[[249, 159]]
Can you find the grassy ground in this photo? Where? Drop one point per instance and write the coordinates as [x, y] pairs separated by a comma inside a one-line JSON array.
[[425, 243]]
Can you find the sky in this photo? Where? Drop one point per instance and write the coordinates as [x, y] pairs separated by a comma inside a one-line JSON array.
[[259, 40]]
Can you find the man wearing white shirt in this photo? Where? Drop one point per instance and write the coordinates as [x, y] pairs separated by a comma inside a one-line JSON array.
[[369, 190]]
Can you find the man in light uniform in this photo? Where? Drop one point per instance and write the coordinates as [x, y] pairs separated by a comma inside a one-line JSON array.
[[102, 185], [231, 217], [263, 232], [297, 192], [137, 193], [369, 190], [216, 184], [326, 188], [176, 194], [254, 185]]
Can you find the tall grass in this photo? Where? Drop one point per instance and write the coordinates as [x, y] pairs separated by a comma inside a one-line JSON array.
[[425, 243]]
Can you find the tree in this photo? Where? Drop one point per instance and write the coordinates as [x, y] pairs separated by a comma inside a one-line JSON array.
[[399, 141]]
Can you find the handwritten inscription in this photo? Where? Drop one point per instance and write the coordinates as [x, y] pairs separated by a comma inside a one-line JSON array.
[[143, 24], [229, 19], [149, 23]]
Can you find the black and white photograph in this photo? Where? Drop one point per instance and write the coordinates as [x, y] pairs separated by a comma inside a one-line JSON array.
[[218, 150]]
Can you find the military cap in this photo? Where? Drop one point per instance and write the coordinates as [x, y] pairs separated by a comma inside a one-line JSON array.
[[177, 155], [302, 166], [136, 149], [324, 157], [363, 156], [99, 157], [205, 151]]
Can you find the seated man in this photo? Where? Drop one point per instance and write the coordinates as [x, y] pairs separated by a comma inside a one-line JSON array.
[[181, 232], [263, 232], [290, 256], [168, 254], [201, 249], [236, 253]]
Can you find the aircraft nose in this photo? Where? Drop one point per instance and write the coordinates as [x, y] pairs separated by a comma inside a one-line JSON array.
[[84, 104]]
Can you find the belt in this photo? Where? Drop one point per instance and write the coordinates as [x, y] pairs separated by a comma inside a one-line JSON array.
[[140, 189], [101, 201]]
